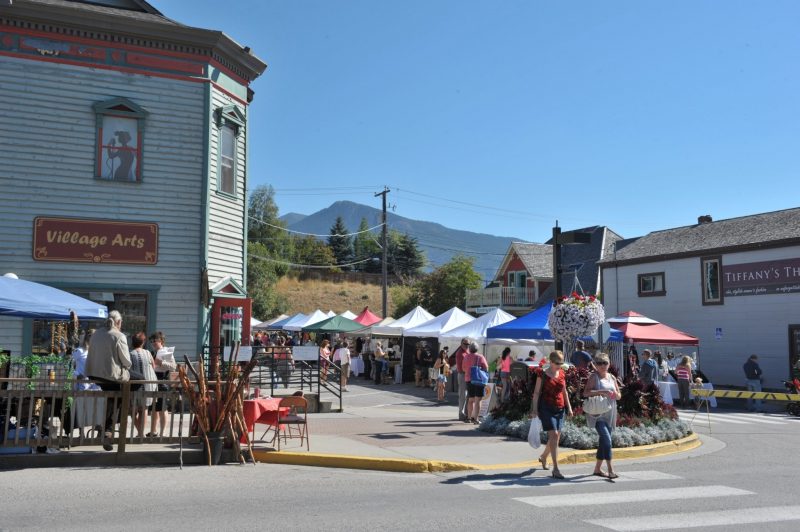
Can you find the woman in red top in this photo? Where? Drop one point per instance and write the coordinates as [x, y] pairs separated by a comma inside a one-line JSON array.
[[505, 373], [551, 388]]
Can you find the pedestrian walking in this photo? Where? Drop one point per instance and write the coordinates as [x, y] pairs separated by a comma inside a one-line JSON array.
[[505, 373], [474, 389], [550, 402], [603, 384], [462, 383], [754, 375]]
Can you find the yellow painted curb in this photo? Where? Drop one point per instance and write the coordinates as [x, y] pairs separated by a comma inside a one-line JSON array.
[[401, 465]]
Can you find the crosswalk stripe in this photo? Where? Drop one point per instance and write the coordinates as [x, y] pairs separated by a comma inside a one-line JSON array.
[[546, 481], [743, 516], [716, 418], [756, 418], [631, 496]]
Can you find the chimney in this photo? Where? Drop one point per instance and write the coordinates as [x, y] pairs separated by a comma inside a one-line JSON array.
[[705, 219]]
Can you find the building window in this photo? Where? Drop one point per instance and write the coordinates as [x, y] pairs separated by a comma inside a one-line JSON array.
[[651, 284], [120, 128], [712, 280], [230, 122], [511, 278], [132, 306]]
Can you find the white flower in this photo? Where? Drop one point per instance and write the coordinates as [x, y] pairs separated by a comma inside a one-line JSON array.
[[575, 317]]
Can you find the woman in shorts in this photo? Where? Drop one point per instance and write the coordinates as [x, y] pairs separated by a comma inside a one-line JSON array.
[[550, 401]]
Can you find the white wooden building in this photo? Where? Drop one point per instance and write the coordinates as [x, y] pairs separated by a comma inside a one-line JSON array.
[[123, 167], [734, 284]]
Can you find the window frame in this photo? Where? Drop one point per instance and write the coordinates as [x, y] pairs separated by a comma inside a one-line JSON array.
[[120, 108], [231, 117], [651, 293], [703, 261]]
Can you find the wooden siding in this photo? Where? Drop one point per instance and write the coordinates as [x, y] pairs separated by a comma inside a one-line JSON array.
[[750, 324], [226, 216], [47, 146]]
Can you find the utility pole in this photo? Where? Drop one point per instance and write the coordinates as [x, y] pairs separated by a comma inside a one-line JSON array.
[[385, 246]]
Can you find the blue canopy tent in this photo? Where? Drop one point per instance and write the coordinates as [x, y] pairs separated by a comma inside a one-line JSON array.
[[531, 326], [25, 299]]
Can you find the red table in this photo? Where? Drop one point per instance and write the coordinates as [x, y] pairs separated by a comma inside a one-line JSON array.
[[263, 411]]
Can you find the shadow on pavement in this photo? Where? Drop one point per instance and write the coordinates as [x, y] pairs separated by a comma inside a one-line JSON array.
[[495, 478]]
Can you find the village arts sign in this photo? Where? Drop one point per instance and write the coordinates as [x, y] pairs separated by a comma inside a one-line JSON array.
[[762, 278], [94, 241]]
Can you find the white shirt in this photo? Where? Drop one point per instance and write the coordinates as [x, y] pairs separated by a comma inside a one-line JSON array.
[[342, 355]]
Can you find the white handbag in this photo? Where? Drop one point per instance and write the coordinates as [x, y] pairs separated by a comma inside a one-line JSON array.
[[596, 405]]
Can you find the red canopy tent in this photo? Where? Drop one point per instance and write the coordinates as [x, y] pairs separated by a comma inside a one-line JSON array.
[[367, 318], [640, 329]]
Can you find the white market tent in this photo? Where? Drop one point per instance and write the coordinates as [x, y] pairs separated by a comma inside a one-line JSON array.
[[315, 317], [297, 318], [349, 315], [417, 316], [254, 323], [330, 314], [266, 324], [476, 329], [455, 317]]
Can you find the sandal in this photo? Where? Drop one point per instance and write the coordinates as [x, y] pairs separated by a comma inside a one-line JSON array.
[[557, 474], [600, 474], [612, 476], [544, 464]]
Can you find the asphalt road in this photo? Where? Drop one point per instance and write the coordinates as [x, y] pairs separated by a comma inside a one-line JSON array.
[[744, 477]]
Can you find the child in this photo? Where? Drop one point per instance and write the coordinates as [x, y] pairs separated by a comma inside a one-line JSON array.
[[697, 385], [443, 371]]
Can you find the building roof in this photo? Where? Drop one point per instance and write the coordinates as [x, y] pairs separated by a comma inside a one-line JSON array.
[[576, 260], [140, 23], [771, 229], [537, 258]]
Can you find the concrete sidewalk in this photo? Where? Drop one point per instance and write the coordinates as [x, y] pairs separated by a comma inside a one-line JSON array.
[[403, 428]]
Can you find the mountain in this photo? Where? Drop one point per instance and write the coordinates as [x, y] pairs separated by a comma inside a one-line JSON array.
[[439, 243], [292, 218]]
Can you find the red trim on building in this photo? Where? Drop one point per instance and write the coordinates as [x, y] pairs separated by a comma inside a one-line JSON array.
[[164, 64], [113, 47]]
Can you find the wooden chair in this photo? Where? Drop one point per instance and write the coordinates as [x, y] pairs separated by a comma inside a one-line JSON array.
[[297, 416]]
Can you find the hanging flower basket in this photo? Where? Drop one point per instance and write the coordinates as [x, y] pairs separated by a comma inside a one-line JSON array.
[[575, 316]]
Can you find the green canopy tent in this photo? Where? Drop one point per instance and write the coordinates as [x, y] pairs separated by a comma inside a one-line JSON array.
[[334, 325]]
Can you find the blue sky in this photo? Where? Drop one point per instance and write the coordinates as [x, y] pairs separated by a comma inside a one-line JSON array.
[[504, 116]]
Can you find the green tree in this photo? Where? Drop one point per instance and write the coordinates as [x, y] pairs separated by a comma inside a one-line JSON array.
[[262, 276], [311, 250], [365, 246], [340, 243], [408, 258], [264, 227], [447, 286]]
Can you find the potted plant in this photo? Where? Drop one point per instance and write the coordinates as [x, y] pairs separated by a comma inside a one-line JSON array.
[[575, 316]]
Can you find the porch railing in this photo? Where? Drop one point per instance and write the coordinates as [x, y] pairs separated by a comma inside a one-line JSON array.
[[42, 414], [502, 297]]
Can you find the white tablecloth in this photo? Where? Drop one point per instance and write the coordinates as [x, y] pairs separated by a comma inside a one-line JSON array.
[[357, 366], [669, 390]]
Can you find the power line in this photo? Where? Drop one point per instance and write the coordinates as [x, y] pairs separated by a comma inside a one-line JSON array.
[[316, 266], [312, 234]]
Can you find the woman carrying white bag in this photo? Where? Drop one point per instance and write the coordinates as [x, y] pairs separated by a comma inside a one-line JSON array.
[[600, 406]]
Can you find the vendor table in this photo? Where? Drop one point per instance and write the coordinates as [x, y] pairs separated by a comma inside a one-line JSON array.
[[670, 390], [263, 411], [357, 366]]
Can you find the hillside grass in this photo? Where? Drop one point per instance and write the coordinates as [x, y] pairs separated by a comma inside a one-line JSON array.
[[309, 295]]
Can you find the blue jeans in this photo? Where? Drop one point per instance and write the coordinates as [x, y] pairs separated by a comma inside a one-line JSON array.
[[604, 449], [754, 385]]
